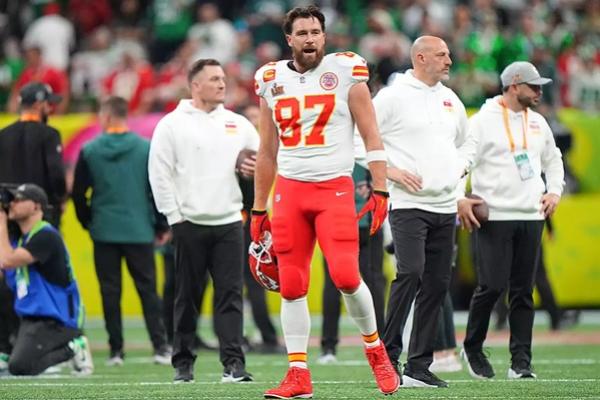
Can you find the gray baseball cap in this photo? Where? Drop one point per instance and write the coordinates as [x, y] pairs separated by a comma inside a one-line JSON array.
[[522, 72]]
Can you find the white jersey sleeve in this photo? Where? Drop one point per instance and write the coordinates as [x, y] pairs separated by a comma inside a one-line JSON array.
[[354, 65], [262, 77]]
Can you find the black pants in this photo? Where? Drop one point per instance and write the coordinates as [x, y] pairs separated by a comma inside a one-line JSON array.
[[546, 296], [9, 322], [169, 291], [218, 249], [507, 254], [446, 334], [370, 261], [423, 243], [142, 268], [41, 343], [257, 297]]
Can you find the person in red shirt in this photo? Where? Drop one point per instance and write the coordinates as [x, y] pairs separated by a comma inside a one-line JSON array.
[[35, 70]]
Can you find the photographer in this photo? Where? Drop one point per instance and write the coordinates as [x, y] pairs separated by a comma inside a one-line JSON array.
[[30, 151], [37, 269]]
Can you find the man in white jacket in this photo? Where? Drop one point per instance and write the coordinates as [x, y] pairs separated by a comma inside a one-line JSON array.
[[423, 125], [192, 171], [515, 146]]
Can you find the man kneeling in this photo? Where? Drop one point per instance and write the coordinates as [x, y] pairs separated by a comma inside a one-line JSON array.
[[38, 270]]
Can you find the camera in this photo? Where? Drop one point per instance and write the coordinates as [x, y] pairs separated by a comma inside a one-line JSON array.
[[5, 195]]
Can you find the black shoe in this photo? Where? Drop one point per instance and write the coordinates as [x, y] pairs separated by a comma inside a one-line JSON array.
[[478, 364], [184, 374], [521, 370], [422, 378], [235, 372]]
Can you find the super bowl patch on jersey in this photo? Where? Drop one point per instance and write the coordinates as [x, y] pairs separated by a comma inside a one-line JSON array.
[[328, 81]]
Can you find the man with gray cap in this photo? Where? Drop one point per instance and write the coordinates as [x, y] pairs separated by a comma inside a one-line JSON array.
[[515, 146]]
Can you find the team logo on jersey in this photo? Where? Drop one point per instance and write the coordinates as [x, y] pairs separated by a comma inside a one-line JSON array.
[[328, 81], [276, 90], [268, 75]]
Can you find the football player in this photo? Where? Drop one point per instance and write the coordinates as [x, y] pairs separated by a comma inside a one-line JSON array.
[[308, 108]]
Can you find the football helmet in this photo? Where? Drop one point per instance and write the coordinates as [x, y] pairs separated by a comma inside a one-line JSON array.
[[263, 262]]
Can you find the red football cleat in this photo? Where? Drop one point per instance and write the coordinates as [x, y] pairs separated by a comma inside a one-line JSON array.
[[296, 385], [386, 377]]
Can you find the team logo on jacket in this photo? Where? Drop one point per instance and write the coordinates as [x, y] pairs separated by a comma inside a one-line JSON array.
[[448, 105], [534, 127], [328, 81], [230, 127]]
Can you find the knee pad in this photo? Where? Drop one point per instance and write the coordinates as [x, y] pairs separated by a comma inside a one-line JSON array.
[[293, 282], [344, 272]]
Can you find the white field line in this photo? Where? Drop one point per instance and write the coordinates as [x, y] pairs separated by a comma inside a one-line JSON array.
[[27, 382], [355, 363]]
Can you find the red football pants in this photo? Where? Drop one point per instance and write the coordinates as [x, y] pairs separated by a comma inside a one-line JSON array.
[[305, 211]]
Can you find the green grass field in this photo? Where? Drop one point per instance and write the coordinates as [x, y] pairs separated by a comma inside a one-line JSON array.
[[564, 371]]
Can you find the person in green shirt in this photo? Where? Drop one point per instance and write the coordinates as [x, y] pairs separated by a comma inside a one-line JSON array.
[[121, 219]]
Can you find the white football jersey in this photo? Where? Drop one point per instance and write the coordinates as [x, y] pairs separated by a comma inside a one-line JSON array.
[[312, 116]]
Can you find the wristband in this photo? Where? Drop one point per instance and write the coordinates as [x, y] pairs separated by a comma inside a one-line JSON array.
[[376, 155]]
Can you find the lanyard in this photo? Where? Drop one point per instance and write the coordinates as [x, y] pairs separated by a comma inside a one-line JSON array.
[[507, 127]]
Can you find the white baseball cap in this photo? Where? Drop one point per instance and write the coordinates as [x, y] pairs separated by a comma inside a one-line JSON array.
[[522, 72]]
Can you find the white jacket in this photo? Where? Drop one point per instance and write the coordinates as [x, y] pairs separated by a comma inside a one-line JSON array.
[[424, 130], [495, 176], [192, 164]]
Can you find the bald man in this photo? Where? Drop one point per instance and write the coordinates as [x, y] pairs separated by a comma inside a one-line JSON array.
[[423, 127]]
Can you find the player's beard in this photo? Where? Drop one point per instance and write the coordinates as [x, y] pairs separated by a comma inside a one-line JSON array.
[[307, 61]]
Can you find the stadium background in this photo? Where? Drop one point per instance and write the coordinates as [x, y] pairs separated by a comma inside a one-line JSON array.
[[573, 258]]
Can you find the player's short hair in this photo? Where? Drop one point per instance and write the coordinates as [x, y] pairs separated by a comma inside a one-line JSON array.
[[199, 66], [115, 106], [302, 12]]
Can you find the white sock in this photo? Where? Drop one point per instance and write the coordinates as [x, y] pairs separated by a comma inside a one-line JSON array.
[[360, 307], [295, 323]]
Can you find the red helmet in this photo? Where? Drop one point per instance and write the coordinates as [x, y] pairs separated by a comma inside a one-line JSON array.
[[263, 262]]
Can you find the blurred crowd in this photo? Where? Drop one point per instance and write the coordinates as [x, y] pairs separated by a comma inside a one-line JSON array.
[[87, 50]]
